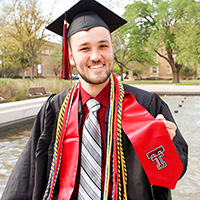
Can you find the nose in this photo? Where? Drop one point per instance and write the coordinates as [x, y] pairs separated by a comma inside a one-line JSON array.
[[95, 55]]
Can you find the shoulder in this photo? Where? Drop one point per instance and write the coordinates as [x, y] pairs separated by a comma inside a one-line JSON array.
[[150, 101], [143, 97], [54, 102]]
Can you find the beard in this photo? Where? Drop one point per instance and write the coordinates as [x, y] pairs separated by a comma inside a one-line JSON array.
[[95, 82], [101, 80]]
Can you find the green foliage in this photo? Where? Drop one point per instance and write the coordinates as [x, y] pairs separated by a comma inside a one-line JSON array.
[[56, 60], [129, 48], [13, 90], [155, 22], [187, 72], [147, 82], [137, 72], [116, 69], [188, 36], [25, 23], [56, 54], [14, 59]]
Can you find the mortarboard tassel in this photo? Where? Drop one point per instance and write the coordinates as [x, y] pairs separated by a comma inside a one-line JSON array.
[[66, 70]]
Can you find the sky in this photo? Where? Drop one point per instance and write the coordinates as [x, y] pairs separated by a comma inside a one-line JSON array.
[[58, 7]]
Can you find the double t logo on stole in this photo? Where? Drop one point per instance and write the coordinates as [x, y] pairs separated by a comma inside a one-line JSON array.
[[91, 155]]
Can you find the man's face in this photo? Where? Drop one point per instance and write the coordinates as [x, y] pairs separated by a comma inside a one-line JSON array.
[[92, 54]]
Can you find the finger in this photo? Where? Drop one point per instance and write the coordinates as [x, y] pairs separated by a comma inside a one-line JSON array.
[[170, 125], [160, 116], [171, 128], [172, 133]]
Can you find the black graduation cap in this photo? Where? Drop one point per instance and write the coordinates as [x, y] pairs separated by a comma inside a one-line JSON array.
[[84, 15]]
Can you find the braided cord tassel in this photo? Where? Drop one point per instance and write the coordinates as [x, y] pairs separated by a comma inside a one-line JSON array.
[[59, 129], [113, 176], [120, 153], [109, 141], [48, 195], [119, 169]]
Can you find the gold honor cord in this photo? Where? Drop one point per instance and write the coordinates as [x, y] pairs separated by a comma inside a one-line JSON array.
[[120, 153], [50, 186], [109, 140], [121, 163]]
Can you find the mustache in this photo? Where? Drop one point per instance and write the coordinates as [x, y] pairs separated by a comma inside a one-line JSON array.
[[95, 62]]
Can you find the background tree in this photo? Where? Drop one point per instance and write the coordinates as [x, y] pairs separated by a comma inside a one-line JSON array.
[[26, 24], [122, 55], [188, 38], [56, 60], [14, 58], [186, 72], [129, 50], [156, 21]]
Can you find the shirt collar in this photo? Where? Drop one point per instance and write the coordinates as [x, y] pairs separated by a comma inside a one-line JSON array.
[[103, 97]]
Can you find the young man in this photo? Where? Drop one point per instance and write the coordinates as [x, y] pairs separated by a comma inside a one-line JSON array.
[[99, 140]]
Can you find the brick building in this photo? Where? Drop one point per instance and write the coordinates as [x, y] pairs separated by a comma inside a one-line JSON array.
[[160, 71], [45, 67]]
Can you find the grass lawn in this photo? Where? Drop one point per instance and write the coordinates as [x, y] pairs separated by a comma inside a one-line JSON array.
[[182, 82]]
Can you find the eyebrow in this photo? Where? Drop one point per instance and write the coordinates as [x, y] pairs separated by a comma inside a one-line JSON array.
[[104, 41], [101, 41], [84, 44]]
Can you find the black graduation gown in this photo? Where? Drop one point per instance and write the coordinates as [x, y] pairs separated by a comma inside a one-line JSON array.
[[29, 177]]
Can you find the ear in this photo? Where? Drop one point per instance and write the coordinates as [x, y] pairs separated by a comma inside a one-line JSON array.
[[113, 50], [71, 58]]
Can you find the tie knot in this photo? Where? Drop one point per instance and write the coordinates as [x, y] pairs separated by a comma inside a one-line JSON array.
[[93, 105]]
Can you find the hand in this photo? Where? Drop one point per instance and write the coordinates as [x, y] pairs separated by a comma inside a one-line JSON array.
[[171, 127]]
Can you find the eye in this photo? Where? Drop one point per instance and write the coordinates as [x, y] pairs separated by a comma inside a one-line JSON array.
[[84, 49], [104, 46]]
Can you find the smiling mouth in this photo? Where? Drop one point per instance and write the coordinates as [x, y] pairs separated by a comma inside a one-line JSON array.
[[96, 66]]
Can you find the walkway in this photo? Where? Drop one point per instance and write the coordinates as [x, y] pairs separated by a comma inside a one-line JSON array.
[[184, 90]]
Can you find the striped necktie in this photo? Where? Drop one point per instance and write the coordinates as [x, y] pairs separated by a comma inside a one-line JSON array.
[[91, 155]]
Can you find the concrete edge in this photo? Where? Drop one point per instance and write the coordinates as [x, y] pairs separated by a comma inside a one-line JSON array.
[[6, 127]]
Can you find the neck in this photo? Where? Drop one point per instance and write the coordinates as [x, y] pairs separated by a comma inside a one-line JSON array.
[[93, 89]]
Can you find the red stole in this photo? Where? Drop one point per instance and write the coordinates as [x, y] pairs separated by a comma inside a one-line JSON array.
[[152, 144], [70, 153]]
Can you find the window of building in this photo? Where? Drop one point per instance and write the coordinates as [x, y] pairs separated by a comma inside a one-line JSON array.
[[47, 51], [154, 70], [169, 70], [26, 73]]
